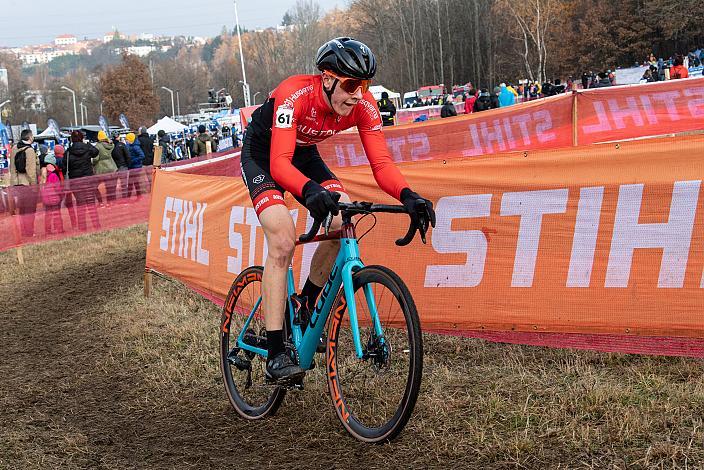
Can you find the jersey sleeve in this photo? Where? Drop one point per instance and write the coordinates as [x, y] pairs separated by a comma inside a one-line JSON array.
[[283, 140], [386, 174]]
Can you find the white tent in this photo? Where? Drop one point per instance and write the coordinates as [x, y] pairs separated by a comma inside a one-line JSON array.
[[377, 90], [167, 125]]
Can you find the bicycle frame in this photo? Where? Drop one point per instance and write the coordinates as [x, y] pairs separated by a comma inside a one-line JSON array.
[[346, 263]]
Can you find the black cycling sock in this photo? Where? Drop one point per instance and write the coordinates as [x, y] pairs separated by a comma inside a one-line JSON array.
[[311, 291], [274, 343]]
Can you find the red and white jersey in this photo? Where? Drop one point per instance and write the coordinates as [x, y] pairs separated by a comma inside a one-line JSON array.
[[298, 114]]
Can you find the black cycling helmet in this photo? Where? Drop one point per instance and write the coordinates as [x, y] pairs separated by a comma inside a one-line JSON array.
[[346, 57]]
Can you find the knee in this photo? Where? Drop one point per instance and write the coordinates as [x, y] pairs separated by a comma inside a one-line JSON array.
[[280, 247]]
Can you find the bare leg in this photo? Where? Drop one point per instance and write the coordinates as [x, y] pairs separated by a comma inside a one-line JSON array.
[[280, 234], [325, 254]]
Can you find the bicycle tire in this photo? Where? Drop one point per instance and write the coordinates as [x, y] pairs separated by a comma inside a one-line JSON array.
[[240, 300], [341, 358]]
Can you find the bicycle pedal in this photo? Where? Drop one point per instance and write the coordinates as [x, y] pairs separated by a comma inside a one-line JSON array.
[[288, 382]]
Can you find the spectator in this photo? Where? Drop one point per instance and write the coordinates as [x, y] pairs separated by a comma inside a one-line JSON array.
[[104, 165], [647, 76], [661, 69], [147, 144], [386, 109], [547, 88], [506, 98], [678, 70], [469, 102], [79, 161], [136, 160], [585, 80], [51, 192], [203, 143], [24, 171], [59, 155], [612, 76], [167, 152], [533, 91], [483, 101], [448, 108], [121, 157], [43, 151], [558, 87], [495, 97], [603, 80]]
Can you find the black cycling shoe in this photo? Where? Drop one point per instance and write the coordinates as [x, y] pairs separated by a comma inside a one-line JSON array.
[[281, 369]]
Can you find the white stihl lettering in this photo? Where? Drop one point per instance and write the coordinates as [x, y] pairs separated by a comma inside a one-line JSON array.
[[471, 242], [673, 236], [530, 206], [182, 229]]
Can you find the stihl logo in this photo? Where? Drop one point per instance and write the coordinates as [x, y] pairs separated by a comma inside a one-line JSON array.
[[671, 234], [182, 225]]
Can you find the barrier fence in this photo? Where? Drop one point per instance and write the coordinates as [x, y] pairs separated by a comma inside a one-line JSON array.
[[588, 240], [29, 214]]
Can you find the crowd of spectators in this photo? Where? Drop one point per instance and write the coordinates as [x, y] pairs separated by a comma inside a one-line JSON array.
[[56, 179]]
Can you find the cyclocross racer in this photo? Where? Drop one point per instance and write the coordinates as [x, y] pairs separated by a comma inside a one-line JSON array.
[[279, 154]]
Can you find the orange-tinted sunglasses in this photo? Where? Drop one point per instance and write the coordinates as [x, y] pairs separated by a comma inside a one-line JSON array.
[[351, 85]]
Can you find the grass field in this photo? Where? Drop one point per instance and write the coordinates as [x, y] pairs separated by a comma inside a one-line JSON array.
[[93, 375]]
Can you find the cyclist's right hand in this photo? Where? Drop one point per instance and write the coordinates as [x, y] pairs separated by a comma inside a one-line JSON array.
[[319, 201]]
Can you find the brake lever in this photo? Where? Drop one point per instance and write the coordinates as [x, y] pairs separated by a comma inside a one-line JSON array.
[[408, 237], [311, 233], [326, 223]]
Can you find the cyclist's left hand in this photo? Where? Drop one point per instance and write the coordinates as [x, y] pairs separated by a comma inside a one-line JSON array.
[[420, 210]]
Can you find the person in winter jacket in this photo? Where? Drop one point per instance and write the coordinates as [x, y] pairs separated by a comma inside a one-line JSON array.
[[136, 159], [28, 179], [448, 108], [603, 80], [678, 70], [167, 152], [59, 152], [506, 98], [120, 154], [79, 159], [483, 101], [387, 109], [51, 192], [494, 97], [469, 101], [147, 144], [121, 157], [79, 162], [135, 150], [104, 166], [201, 145]]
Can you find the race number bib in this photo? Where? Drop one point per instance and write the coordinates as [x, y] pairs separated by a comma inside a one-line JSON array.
[[284, 117]]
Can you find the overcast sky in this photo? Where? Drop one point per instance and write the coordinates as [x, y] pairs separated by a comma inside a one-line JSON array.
[[39, 21]]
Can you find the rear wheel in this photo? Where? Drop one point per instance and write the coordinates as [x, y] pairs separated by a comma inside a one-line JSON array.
[[243, 371], [374, 396]]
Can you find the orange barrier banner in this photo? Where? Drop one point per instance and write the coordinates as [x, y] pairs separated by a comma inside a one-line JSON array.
[[594, 239], [615, 113], [542, 124]]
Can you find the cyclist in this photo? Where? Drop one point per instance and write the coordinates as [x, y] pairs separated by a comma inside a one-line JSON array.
[[279, 154]]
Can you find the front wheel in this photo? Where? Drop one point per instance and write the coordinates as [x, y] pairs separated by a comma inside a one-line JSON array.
[[243, 371], [375, 396]]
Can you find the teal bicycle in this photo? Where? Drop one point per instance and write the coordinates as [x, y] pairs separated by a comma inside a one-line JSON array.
[[374, 347]]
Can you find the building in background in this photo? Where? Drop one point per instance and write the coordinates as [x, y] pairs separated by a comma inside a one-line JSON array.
[[65, 40]]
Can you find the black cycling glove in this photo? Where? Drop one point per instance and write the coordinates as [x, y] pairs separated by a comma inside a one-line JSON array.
[[419, 208], [319, 201]]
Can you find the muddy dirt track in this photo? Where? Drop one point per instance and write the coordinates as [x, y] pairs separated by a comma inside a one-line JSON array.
[[93, 375]]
